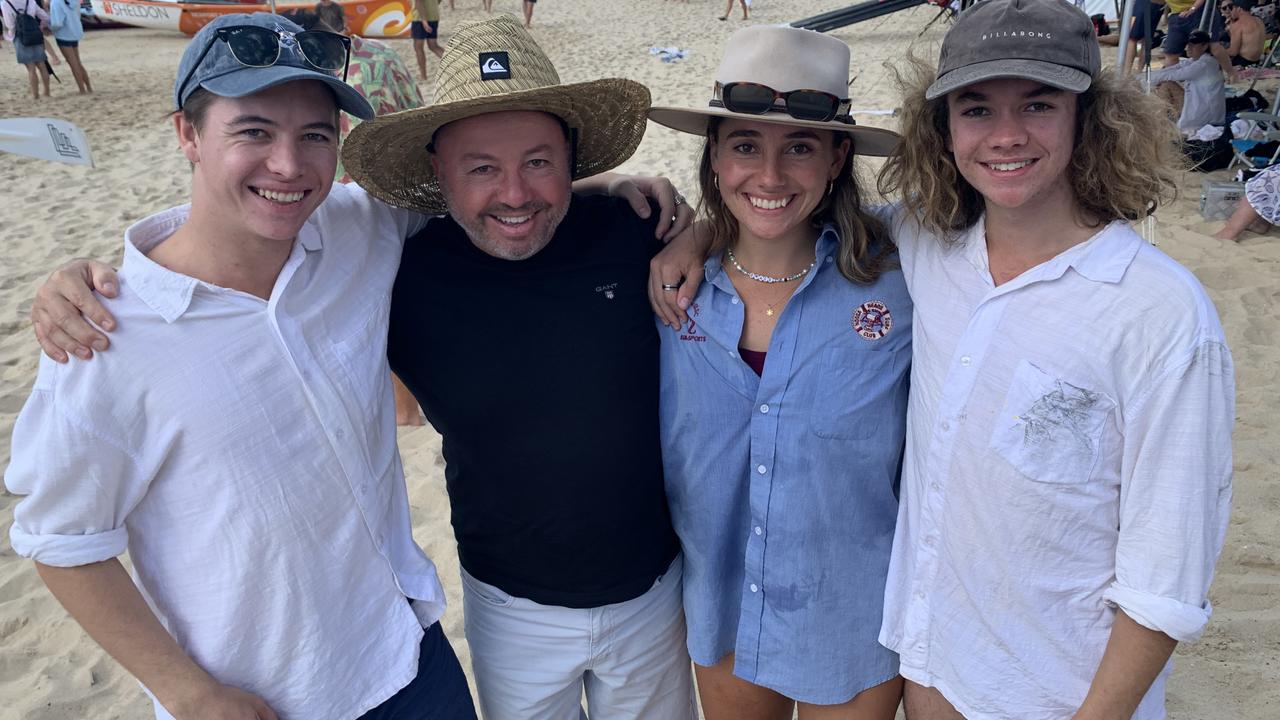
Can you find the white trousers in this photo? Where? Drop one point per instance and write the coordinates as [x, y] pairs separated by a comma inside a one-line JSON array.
[[535, 662]]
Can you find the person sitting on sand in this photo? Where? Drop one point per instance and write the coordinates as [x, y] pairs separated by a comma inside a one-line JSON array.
[[1246, 33], [1194, 88], [1258, 210], [1067, 481]]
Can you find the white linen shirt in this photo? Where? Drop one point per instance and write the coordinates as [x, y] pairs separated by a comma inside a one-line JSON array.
[[1205, 102], [244, 452], [1068, 452]]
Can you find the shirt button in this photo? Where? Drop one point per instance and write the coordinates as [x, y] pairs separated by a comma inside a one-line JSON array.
[[759, 531], [946, 425], [764, 408], [966, 361], [829, 259], [733, 300], [339, 433], [755, 588], [919, 594], [761, 469], [929, 541], [935, 486], [733, 354]]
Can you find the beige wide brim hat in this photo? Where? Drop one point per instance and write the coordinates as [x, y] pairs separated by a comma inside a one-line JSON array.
[[493, 66], [783, 58]]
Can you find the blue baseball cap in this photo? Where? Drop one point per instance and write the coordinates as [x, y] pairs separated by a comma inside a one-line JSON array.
[[221, 74]]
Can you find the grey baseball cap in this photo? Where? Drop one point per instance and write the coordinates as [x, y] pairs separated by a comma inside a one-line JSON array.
[[1049, 41], [221, 74]]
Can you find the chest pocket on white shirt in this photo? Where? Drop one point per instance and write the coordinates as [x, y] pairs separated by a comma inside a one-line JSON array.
[[1049, 428], [849, 403]]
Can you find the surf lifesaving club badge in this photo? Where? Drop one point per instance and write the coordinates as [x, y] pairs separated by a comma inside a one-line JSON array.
[[872, 320]]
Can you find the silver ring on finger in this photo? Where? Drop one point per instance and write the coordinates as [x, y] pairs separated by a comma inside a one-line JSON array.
[[679, 200], [666, 286]]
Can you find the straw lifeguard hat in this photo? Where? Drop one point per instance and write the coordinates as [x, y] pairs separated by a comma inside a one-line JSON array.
[[784, 59], [493, 66]]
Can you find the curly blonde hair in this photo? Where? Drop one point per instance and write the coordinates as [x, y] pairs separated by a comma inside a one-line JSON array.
[[860, 232], [1125, 163]]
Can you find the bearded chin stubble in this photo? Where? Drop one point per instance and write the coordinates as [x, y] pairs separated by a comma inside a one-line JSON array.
[[504, 248]]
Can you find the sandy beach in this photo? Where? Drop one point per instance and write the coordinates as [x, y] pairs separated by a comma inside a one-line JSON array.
[[50, 670]]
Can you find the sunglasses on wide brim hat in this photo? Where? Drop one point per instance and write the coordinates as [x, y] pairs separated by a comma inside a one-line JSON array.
[[751, 98]]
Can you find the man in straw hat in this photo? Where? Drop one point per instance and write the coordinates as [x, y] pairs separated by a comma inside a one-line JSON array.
[[262, 303], [521, 324], [1067, 480], [523, 328]]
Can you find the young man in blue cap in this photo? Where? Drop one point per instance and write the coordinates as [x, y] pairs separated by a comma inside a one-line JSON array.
[[240, 443]]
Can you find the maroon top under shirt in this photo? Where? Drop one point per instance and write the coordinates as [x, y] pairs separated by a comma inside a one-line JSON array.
[[754, 359]]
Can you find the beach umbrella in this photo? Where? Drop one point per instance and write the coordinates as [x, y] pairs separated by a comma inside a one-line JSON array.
[[46, 139]]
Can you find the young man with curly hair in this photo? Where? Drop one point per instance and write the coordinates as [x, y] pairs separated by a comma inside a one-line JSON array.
[[1067, 477]]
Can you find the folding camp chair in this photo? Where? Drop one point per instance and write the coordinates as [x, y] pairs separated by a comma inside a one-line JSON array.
[[1268, 123]]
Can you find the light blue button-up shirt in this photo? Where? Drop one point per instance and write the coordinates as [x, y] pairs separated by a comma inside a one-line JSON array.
[[783, 487]]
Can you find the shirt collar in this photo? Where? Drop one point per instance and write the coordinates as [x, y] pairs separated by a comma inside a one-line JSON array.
[[1102, 258], [309, 237], [166, 292]]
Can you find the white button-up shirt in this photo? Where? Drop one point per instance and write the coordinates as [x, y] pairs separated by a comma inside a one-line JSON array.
[[244, 452], [1068, 453], [1205, 102]]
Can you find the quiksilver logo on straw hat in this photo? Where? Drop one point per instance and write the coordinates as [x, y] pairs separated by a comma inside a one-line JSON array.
[[495, 66]]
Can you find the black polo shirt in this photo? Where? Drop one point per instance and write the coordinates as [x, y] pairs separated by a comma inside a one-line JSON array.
[[541, 375]]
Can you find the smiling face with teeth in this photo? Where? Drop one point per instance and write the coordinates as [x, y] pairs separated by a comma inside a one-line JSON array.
[[772, 176], [1013, 140], [506, 178], [262, 163]]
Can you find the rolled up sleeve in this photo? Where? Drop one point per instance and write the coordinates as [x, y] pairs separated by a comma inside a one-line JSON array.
[[1175, 497], [79, 485]]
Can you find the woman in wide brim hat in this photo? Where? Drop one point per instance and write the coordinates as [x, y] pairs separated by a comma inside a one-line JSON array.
[[784, 398]]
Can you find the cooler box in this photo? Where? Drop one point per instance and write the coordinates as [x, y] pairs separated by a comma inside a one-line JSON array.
[[1218, 198]]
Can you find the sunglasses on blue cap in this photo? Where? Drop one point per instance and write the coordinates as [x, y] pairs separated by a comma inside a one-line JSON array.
[[259, 47]]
